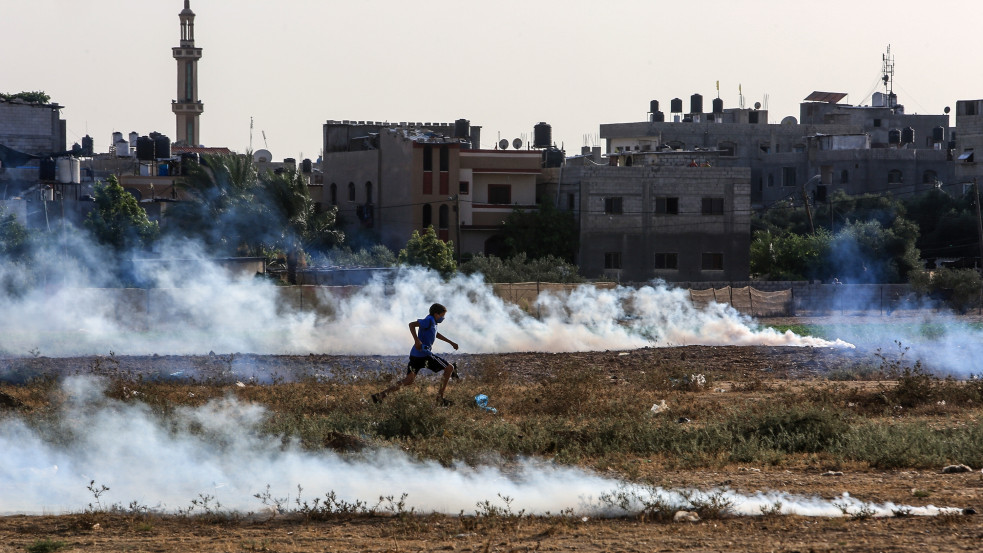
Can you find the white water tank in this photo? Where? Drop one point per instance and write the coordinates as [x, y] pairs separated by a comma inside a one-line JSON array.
[[64, 170], [75, 168], [117, 136], [122, 148], [133, 139]]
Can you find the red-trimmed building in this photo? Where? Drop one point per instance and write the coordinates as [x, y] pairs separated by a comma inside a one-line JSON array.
[[388, 180]]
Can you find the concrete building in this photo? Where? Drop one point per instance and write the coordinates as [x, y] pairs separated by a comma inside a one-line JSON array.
[[658, 217], [859, 149], [388, 180], [35, 129], [187, 108]]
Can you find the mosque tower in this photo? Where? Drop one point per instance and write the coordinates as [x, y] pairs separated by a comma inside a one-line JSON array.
[[187, 108]]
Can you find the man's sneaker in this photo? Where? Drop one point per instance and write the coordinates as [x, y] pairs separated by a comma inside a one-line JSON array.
[[376, 398], [444, 402], [454, 374]]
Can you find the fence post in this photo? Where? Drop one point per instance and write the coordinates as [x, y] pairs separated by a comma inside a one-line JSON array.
[[750, 300]]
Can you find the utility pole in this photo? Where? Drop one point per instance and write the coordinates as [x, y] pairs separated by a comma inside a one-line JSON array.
[[979, 222], [805, 201]]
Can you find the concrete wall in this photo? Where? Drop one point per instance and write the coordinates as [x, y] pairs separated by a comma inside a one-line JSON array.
[[31, 128]]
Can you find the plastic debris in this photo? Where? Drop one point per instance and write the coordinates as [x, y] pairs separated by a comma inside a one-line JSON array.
[[660, 407], [686, 516], [481, 400]]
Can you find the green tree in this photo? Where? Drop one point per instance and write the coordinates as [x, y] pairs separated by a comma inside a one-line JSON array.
[[36, 97], [520, 269], [14, 237], [297, 227], [778, 255], [429, 251], [544, 232], [118, 220]]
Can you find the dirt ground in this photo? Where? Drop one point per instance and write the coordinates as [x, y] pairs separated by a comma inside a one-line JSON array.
[[963, 532]]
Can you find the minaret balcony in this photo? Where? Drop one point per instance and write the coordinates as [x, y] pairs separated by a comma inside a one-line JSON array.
[[191, 108]]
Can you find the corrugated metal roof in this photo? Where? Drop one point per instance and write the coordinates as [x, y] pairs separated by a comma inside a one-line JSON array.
[[831, 97]]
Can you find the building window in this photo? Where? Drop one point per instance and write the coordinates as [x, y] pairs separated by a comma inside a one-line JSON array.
[[571, 201], [443, 217], [727, 149], [334, 194], [771, 180], [368, 192], [970, 108], [713, 206], [500, 194], [799, 148], [667, 206], [877, 122], [427, 157], [612, 260], [666, 261], [894, 177], [713, 262], [445, 162], [844, 176], [351, 192], [765, 147], [930, 177], [788, 176], [612, 205], [427, 215], [464, 188]]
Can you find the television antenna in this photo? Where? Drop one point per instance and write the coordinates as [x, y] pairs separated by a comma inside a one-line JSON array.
[[265, 145]]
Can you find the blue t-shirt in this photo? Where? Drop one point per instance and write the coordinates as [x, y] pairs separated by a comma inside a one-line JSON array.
[[427, 333]]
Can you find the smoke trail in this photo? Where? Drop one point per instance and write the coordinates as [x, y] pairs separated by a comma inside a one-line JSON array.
[[210, 310], [216, 451]]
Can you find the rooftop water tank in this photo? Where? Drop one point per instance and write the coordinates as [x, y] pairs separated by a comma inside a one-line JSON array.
[[462, 128], [64, 170], [122, 148], [88, 146], [676, 105], [542, 135], [718, 105], [653, 106], [162, 147], [306, 166], [696, 103], [145, 148], [134, 136]]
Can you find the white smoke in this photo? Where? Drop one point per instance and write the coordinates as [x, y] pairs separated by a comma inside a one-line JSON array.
[[213, 311], [216, 452]]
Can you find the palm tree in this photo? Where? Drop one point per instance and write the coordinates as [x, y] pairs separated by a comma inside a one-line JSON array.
[[303, 227]]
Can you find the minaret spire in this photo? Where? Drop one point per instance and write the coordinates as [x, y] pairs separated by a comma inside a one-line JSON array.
[[187, 108]]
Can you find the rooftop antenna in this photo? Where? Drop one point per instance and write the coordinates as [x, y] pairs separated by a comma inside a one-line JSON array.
[[265, 145], [250, 133], [887, 71], [740, 94]]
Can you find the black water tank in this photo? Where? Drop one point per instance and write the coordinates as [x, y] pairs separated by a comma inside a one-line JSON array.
[[145, 148], [718, 105], [553, 157], [938, 135], [653, 106], [658, 117], [87, 146], [306, 166], [462, 128], [676, 105], [162, 147], [908, 135], [696, 103], [47, 169], [894, 136], [542, 135]]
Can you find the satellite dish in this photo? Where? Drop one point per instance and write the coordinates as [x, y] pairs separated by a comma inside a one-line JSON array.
[[503, 144], [946, 110], [757, 105], [517, 143], [789, 120], [262, 156]]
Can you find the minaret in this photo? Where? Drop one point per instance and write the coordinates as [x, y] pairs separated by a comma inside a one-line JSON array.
[[187, 108]]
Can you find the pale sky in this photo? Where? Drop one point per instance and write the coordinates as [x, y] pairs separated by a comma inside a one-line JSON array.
[[505, 65]]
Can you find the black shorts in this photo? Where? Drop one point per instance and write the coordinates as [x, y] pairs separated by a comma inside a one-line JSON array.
[[434, 363]]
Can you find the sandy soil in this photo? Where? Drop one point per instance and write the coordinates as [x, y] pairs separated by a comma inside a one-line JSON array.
[[440, 533]]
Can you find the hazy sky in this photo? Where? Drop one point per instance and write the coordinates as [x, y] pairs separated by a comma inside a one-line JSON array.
[[505, 65]]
